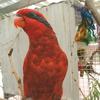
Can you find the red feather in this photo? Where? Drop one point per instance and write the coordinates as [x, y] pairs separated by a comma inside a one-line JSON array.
[[45, 64]]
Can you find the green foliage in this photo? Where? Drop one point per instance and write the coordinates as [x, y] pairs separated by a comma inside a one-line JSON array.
[[94, 91], [90, 37]]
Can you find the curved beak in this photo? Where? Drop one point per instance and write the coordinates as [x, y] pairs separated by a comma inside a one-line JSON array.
[[19, 22]]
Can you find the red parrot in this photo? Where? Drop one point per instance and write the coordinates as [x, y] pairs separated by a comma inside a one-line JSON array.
[[45, 64]]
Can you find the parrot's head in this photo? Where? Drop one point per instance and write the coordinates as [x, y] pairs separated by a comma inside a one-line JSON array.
[[30, 19]]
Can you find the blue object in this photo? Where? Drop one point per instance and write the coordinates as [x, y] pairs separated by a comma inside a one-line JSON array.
[[87, 16]]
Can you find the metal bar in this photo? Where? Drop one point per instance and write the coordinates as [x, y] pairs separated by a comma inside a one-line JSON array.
[[93, 8], [20, 4], [90, 5]]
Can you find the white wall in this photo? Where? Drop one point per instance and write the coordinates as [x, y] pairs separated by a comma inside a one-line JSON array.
[[1, 86], [62, 18], [9, 38]]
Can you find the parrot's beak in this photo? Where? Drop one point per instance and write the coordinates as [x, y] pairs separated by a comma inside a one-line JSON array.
[[19, 22]]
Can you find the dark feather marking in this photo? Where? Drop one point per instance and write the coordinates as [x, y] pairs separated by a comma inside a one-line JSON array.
[[37, 17]]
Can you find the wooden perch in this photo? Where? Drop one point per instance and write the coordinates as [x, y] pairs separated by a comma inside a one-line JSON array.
[[20, 87]]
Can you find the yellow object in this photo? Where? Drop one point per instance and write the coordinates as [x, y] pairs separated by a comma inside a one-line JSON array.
[[81, 34]]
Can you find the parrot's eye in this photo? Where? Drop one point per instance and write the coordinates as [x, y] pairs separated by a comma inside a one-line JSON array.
[[18, 15]]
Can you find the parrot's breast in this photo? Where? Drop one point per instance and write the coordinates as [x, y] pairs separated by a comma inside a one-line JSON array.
[[45, 65]]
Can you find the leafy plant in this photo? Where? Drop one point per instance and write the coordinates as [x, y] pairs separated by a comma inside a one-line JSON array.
[[94, 91]]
